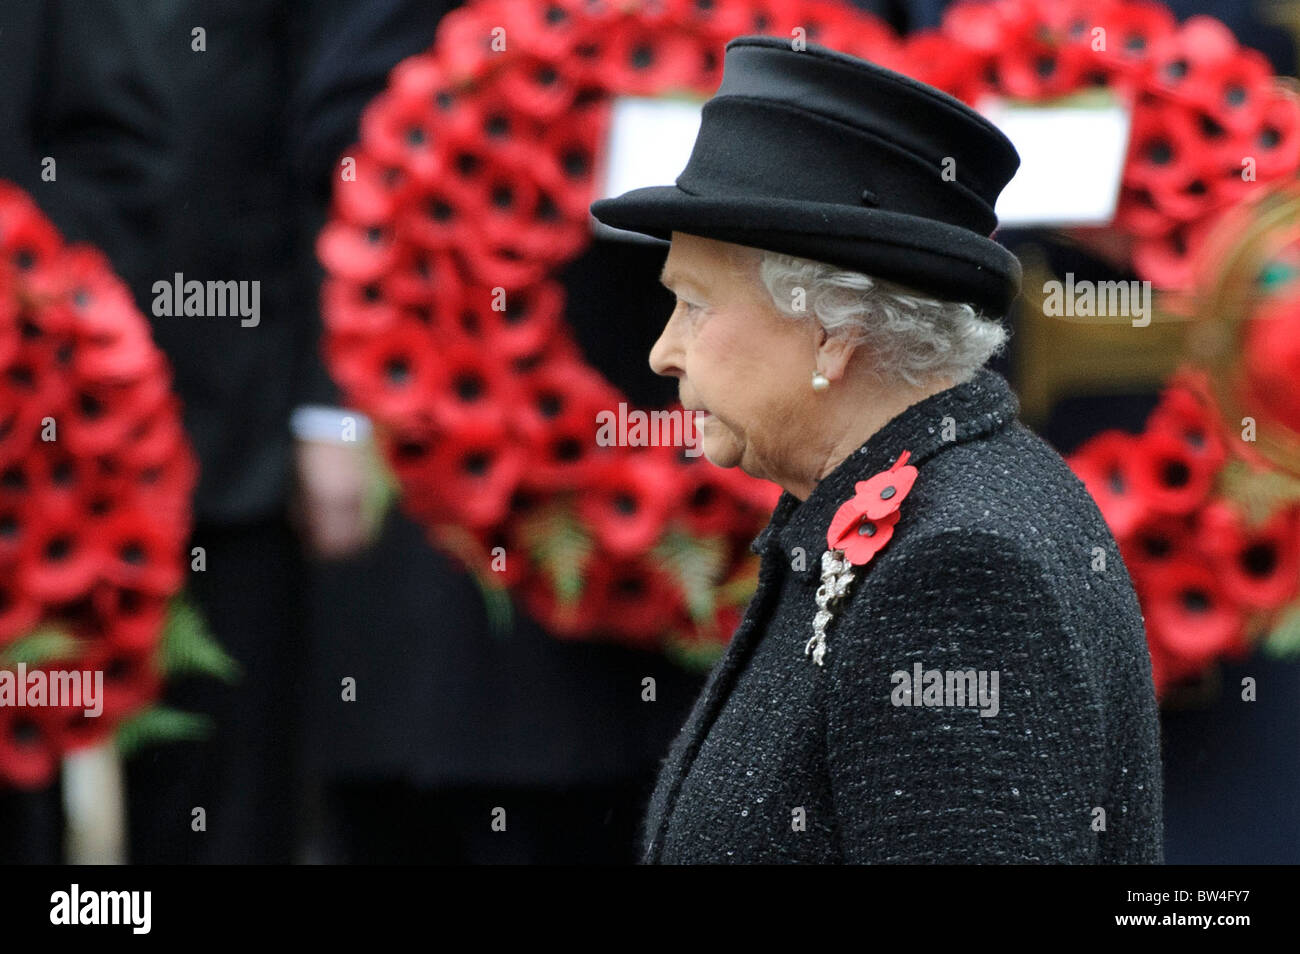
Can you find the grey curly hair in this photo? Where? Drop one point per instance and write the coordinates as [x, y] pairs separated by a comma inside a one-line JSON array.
[[906, 335]]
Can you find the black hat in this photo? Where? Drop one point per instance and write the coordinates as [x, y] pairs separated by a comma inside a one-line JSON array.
[[823, 155]]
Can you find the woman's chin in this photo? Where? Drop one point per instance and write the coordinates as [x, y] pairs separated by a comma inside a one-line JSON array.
[[720, 453]]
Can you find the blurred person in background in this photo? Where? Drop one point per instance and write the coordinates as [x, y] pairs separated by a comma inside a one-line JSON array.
[[270, 490]]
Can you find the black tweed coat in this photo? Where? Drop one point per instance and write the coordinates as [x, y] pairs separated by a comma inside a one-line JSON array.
[[1001, 564]]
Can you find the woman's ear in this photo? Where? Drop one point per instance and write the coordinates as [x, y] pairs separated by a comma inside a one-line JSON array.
[[833, 354]]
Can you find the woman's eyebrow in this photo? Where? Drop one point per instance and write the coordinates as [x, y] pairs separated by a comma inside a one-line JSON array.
[[671, 279]]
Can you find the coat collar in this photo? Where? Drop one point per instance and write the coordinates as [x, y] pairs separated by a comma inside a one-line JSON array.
[[961, 413]]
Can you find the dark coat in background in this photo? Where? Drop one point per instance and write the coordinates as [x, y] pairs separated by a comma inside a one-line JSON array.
[[992, 567], [235, 213], [78, 84]]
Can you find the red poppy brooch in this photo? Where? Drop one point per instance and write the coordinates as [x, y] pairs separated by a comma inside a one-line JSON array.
[[858, 531]]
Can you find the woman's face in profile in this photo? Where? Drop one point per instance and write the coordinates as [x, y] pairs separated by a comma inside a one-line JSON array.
[[735, 357]]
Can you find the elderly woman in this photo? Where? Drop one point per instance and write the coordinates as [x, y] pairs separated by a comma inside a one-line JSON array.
[[944, 660]]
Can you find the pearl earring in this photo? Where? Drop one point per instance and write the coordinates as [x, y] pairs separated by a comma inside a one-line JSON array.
[[820, 382]]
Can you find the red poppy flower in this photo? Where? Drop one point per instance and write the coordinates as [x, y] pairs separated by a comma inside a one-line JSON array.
[[859, 536], [465, 42], [420, 78], [640, 595], [157, 436], [132, 619], [635, 58], [1137, 214], [709, 506], [113, 341], [19, 612], [473, 472], [472, 391], [426, 280], [567, 454], [987, 27], [16, 437], [27, 238], [1184, 62], [396, 374], [501, 555], [1041, 68], [164, 489], [839, 27], [1237, 90], [28, 755], [360, 252], [1172, 161], [490, 127], [131, 678], [358, 308], [57, 562], [960, 70], [628, 502], [1275, 141], [72, 729], [1259, 566], [1190, 613], [1131, 30], [32, 387], [1171, 476], [719, 19], [140, 554], [1184, 414], [522, 233], [526, 319], [564, 418], [759, 496], [376, 191], [1170, 261], [539, 88], [577, 618], [57, 480], [1162, 145], [439, 216], [399, 130], [1156, 539], [1105, 464], [94, 422], [567, 161], [883, 493]]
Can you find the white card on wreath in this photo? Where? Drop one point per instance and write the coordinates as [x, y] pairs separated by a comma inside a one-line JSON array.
[[649, 144], [1072, 153]]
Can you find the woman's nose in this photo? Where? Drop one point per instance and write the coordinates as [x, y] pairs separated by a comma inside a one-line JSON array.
[[664, 356]]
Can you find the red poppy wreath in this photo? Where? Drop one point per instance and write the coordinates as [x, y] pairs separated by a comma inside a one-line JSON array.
[[95, 482], [1205, 501], [470, 186]]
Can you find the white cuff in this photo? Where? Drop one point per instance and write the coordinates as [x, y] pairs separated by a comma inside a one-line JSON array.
[[319, 422]]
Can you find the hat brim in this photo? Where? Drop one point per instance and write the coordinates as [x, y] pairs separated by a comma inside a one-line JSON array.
[[943, 260]]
